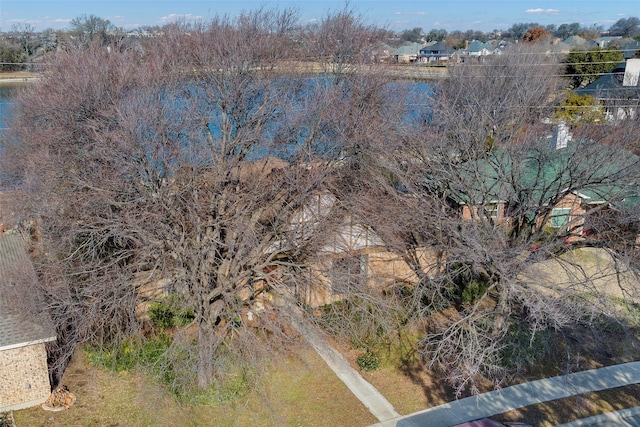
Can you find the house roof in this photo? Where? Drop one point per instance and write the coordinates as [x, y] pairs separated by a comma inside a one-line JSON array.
[[542, 174], [408, 49], [437, 49], [477, 46], [629, 49], [617, 84], [574, 41], [23, 318], [604, 41]]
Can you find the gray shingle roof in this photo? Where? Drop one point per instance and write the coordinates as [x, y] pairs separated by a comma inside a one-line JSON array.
[[408, 49], [477, 46], [612, 85], [23, 316], [437, 49]]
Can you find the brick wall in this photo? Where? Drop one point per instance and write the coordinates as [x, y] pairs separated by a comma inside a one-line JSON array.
[[24, 377], [380, 269]]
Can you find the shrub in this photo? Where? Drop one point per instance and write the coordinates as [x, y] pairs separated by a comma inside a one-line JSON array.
[[170, 313], [577, 109], [130, 353], [369, 361], [473, 291], [525, 347], [356, 322], [171, 362]]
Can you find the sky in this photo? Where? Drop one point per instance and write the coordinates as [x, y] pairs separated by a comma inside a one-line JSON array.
[[482, 15]]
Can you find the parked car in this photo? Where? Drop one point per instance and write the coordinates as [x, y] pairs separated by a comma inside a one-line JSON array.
[[486, 422]]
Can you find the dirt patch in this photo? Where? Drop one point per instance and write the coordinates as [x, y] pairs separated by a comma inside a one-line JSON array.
[[16, 79]]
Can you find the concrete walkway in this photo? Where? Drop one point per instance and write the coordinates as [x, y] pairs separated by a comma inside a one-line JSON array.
[[521, 395], [361, 388]]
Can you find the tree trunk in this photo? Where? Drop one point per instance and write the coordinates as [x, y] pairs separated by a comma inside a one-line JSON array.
[[500, 313], [205, 354]]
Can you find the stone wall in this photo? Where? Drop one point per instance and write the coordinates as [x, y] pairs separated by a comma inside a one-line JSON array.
[[24, 377]]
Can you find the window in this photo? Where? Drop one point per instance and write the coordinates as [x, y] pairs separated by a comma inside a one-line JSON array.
[[492, 210], [560, 217], [348, 271]]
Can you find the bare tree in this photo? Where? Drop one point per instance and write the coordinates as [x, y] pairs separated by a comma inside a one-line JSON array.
[[341, 41], [91, 29], [626, 27], [25, 34], [183, 166], [478, 182]]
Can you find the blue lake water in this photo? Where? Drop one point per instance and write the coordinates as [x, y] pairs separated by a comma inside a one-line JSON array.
[[417, 110], [6, 94]]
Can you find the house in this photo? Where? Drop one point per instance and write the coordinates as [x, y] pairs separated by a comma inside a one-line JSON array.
[[382, 53], [352, 255], [631, 49], [618, 90], [407, 53], [346, 252], [559, 187], [576, 42], [25, 327], [606, 40], [438, 52], [571, 43], [476, 50]]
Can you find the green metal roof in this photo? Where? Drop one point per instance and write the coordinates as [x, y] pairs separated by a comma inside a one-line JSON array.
[[539, 176]]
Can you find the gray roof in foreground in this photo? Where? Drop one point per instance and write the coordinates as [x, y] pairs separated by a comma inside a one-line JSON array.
[[23, 316]]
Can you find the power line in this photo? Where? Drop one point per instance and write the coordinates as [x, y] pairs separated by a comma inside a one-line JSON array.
[[551, 64]]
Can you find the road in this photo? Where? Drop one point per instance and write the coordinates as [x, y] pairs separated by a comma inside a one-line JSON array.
[[624, 418], [521, 395]]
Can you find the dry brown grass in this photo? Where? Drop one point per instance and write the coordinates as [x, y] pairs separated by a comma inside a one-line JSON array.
[[402, 378], [298, 391], [301, 390]]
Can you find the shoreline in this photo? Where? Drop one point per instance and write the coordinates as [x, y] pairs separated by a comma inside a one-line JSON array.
[[17, 77], [396, 71]]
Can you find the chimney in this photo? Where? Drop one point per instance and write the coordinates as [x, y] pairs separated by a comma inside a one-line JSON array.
[[631, 72], [561, 136]]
